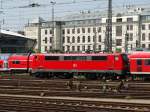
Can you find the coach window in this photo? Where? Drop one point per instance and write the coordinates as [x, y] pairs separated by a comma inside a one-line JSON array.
[[51, 57], [16, 62], [147, 62], [99, 57], [139, 62]]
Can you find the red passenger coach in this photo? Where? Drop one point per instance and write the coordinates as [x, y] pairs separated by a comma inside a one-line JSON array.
[[140, 63], [20, 63], [82, 64], [1, 64]]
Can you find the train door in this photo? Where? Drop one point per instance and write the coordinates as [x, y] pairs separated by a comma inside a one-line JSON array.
[[139, 65]]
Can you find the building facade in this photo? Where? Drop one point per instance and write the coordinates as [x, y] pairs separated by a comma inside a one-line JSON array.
[[81, 35]]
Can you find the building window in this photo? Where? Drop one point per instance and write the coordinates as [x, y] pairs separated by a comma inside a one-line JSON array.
[[63, 31], [149, 46], [129, 27], [73, 39], [50, 47], [119, 20], [143, 27], [45, 48], [73, 31], [149, 26], [89, 30], [83, 30], [73, 48], [45, 40], [143, 36], [143, 45], [131, 46], [94, 38], [83, 48], [68, 48], [45, 32], [50, 32], [78, 48], [50, 39], [83, 39], [127, 36], [78, 39], [99, 29], [118, 42], [68, 39], [78, 30], [129, 19], [89, 47], [63, 48], [99, 38], [68, 31], [118, 30], [63, 39], [131, 36], [94, 30], [89, 38], [99, 47]]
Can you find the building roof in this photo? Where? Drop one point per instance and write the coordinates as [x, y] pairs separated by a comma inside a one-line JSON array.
[[38, 20], [11, 33]]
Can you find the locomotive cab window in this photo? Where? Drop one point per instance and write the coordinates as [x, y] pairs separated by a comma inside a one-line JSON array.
[[51, 58], [147, 62], [99, 58], [139, 62], [125, 57]]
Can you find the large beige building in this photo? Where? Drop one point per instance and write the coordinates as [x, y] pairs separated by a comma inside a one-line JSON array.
[[88, 32]]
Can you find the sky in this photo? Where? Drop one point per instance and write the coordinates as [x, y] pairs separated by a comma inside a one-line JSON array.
[[14, 14]]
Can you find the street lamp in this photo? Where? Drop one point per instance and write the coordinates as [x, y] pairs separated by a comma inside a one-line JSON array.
[[53, 24]]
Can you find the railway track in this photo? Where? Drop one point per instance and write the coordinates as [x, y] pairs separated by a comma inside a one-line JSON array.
[[58, 104], [60, 88], [34, 95]]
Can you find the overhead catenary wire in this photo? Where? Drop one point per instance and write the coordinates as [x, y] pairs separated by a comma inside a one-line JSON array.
[[29, 14]]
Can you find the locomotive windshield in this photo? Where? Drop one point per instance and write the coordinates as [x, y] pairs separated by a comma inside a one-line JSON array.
[[125, 58]]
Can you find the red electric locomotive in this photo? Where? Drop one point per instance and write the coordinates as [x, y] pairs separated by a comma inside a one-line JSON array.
[[89, 65], [67, 65], [140, 64]]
